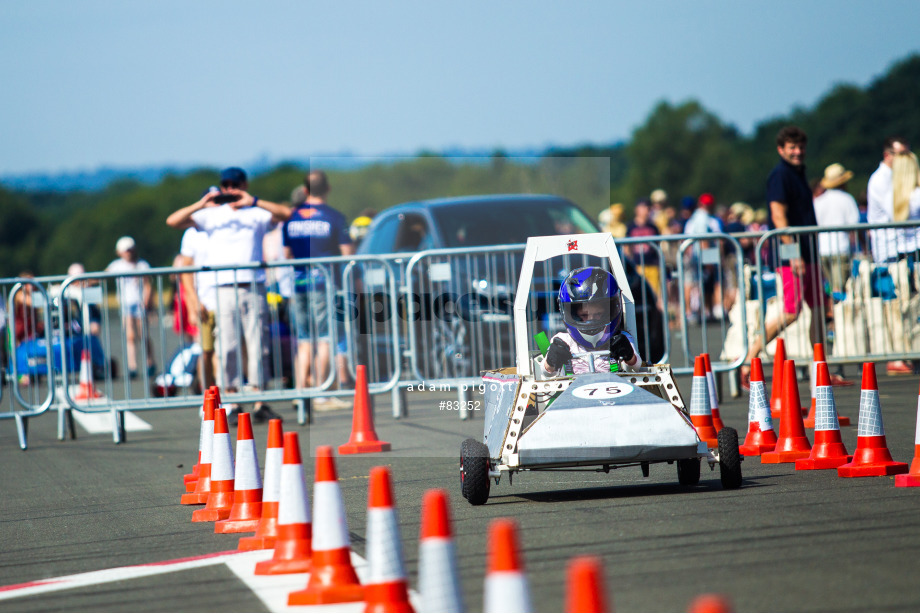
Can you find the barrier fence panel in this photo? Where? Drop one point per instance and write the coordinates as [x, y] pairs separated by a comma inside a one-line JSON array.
[[29, 352], [862, 282]]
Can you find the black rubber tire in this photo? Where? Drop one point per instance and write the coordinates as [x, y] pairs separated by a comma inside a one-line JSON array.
[[474, 471], [688, 471], [729, 458]]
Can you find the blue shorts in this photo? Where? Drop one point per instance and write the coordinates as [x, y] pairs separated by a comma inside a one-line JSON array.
[[310, 309]]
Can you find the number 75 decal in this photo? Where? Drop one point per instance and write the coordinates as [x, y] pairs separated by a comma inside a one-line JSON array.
[[606, 390]]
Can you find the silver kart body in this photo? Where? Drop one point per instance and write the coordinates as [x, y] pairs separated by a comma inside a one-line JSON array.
[[600, 420]]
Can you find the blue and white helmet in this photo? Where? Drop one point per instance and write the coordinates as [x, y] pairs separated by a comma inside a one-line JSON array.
[[590, 304]]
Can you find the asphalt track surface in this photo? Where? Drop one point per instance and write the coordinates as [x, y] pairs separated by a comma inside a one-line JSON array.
[[785, 541]]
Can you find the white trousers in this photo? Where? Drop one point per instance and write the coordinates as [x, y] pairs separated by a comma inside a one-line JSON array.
[[240, 314]]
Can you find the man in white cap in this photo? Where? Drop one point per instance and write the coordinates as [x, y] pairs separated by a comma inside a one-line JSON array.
[[134, 297]]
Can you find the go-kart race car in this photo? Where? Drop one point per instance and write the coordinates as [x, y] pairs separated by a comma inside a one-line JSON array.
[[592, 421]]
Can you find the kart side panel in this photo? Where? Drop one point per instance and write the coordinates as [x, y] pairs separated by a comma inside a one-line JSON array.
[[500, 391], [600, 419]]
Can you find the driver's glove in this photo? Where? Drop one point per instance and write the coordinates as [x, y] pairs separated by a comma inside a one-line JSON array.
[[621, 349], [557, 355]]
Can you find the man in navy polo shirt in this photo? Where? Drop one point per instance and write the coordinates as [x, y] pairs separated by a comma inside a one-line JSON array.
[[792, 205], [315, 230]]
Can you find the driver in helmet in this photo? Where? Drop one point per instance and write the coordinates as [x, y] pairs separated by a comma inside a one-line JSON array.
[[592, 310]]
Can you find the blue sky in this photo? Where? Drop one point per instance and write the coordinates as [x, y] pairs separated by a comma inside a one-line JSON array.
[[127, 83]]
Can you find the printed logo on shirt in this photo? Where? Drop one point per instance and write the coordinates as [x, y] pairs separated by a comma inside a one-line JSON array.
[[307, 213], [309, 228]]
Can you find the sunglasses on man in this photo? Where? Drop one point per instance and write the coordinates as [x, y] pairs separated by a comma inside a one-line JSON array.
[[234, 185]]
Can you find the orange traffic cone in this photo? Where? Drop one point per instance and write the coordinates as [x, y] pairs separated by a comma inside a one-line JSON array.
[[363, 437], [192, 477], [792, 443], [871, 456], [713, 395], [221, 498], [438, 576], [712, 603], [202, 489], [828, 451], [267, 531], [506, 587], [386, 589], [86, 390], [332, 576], [810, 418], [776, 390], [700, 408], [293, 546], [585, 590], [247, 483], [912, 478], [760, 436]]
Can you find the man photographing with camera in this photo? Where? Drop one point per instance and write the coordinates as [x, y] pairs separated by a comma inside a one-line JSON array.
[[236, 222]]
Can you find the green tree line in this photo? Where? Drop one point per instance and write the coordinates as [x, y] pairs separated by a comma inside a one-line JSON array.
[[681, 147]]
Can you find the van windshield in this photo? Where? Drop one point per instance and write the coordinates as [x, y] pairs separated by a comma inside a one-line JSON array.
[[505, 223]]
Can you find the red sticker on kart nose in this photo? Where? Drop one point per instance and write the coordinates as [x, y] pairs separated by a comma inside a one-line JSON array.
[[606, 390]]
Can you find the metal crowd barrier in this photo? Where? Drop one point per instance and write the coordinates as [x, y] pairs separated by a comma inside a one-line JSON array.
[[435, 318]]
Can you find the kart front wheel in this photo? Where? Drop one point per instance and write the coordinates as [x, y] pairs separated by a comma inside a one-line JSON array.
[[729, 458], [474, 471], [688, 471]]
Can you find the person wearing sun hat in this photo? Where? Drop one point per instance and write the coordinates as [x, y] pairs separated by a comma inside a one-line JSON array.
[[836, 207]]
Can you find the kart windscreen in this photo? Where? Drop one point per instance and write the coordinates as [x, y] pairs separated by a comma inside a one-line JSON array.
[[485, 223]]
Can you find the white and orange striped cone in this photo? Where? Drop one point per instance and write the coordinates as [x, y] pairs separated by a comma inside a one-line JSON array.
[[363, 438], [506, 588], [717, 423], [760, 436], [247, 483], [828, 451], [810, 418], [386, 589], [191, 478], [438, 576], [792, 443], [912, 477], [700, 408], [267, 531], [86, 390], [585, 590], [294, 544], [202, 488], [332, 576], [776, 389], [711, 603], [220, 500], [871, 457]]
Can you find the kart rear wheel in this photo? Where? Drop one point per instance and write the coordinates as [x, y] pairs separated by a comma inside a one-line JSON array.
[[474, 471], [729, 458], [688, 471]]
